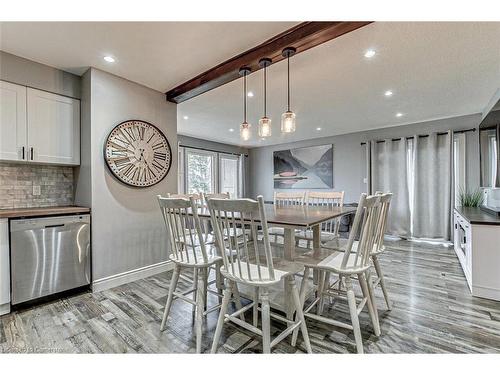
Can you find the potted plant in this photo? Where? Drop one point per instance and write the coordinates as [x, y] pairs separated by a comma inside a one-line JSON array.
[[471, 199]]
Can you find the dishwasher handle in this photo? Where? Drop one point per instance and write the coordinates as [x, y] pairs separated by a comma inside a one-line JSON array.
[[54, 226]]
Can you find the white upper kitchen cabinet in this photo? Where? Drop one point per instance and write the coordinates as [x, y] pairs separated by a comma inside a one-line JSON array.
[[53, 128], [12, 122]]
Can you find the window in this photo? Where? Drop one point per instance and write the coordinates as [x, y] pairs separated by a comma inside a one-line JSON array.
[[200, 167], [229, 175], [209, 172]]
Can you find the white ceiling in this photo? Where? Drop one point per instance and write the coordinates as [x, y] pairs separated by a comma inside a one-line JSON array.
[[159, 55], [435, 70]]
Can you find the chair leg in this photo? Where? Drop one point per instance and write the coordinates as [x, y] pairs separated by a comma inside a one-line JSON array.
[[300, 314], [366, 293], [371, 290], [195, 287], [303, 288], [266, 321], [380, 275], [321, 290], [200, 300], [351, 299], [220, 321], [219, 281], [256, 307], [170, 298], [205, 273], [237, 302]]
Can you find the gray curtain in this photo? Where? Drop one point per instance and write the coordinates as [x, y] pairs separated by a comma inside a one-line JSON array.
[[433, 186], [242, 176], [389, 172]]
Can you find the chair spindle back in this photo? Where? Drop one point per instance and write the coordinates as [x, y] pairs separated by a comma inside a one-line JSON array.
[[289, 199], [242, 259], [366, 224], [326, 199], [207, 196], [385, 202], [184, 229]]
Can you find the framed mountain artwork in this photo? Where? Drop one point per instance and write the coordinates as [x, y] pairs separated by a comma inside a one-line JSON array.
[[304, 168]]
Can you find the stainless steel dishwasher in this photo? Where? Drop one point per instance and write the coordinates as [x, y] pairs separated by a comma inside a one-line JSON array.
[[49, 255]]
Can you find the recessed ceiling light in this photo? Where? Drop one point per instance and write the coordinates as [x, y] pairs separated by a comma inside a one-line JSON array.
[[369, 53], [318, 129], [231, 130], [185, 117], [262, 139], [250, 94], [388, 93], [399, 114], [109, 59]]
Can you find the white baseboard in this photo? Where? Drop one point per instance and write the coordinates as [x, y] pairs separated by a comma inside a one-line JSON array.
[[486, 292], [5, 308], [129, 276]]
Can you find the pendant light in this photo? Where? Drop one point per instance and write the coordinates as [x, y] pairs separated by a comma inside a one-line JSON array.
[[288, 118], [265, 122], [245, 126]]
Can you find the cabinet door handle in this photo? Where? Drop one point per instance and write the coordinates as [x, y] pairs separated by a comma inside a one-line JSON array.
[[31, 153], [23, 152]]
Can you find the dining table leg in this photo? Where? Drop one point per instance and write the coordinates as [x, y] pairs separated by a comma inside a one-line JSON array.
[[316, 246], [289, 254]]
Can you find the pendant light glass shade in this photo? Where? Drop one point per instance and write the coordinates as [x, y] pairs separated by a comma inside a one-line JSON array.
[[265, 127], [245, 131], [288, 122], [288, 118], [245, 126]]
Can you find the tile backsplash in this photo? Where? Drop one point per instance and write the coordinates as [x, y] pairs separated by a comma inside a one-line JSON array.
[[17, 182]]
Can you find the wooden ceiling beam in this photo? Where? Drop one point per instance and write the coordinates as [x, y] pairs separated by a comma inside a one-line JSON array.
[[302, 36]]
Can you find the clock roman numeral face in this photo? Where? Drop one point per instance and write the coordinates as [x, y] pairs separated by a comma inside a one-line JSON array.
[[138, 153]]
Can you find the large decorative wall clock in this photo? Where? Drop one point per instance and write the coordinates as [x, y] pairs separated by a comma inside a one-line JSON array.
[[138, 153]]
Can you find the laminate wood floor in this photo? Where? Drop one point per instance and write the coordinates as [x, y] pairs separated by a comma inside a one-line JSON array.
[[433, 312]]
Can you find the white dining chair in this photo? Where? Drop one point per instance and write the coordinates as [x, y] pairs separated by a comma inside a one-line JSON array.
[[350, 266], [188, 252], [329, 230], [234, 234], [252, 266], [199, 199], [285, 199], [378, 248], [207, 196]]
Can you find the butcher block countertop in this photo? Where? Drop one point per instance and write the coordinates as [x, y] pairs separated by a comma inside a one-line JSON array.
[[42, 211]]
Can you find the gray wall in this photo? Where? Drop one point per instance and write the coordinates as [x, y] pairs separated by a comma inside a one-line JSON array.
[[349, 157], [127, 227], [25, 72]]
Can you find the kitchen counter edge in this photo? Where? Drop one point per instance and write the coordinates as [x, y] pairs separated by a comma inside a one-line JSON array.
[[475, 215], [13, 213]]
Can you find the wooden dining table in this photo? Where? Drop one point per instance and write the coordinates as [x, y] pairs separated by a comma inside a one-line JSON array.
[[291, 218]]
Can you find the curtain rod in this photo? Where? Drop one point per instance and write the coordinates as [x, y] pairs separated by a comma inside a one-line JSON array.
[[426, 135], [219, 152]]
